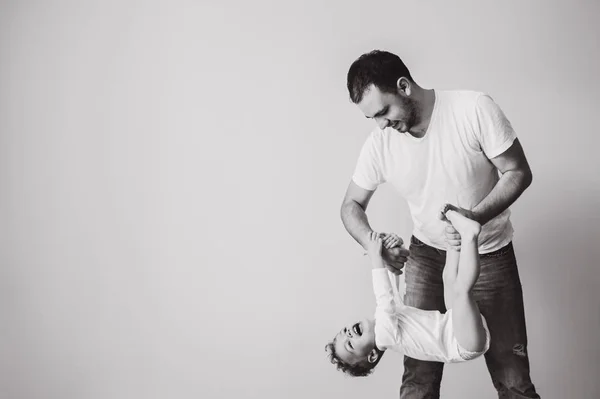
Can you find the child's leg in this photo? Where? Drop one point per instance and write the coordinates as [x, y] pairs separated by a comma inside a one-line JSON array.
[[449, 276], [467, 322]]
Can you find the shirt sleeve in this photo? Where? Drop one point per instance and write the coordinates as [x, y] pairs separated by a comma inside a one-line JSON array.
[[495, 132], [387, 333], [384, 293], [368, 172]]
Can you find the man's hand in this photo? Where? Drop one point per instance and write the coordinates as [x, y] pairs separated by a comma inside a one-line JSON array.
[[391, 240], [394, 255], [452, 236]]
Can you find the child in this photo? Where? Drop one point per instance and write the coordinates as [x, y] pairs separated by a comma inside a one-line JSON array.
[[458, 335]]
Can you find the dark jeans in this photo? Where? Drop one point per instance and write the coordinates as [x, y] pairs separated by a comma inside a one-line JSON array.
[[500, 298]]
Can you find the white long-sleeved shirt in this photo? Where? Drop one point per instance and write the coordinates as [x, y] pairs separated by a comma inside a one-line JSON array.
[[420, 334]]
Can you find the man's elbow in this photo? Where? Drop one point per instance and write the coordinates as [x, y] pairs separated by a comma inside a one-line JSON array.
[[349, 207], [346, 208]]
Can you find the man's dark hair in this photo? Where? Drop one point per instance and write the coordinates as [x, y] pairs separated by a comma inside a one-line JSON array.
[[381, 68], [362, 369]]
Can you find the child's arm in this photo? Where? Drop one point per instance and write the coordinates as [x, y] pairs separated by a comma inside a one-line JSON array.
[[392, 240], [382, 287]]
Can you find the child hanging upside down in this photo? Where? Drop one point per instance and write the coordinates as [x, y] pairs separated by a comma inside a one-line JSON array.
[[458, 335]]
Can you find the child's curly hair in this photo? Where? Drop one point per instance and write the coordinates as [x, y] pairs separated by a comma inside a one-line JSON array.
[[361, 369]]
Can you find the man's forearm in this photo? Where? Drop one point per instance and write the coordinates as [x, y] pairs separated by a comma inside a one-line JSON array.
[[355, 221], [510, 187]]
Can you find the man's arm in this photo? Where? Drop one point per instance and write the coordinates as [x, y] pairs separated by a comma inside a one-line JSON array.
[[354, 218], [516, 177], [353, 213]]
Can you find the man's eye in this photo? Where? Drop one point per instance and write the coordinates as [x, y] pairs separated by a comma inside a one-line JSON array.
[[350, 345]]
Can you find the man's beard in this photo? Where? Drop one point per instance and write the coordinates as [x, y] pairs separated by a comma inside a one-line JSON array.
[[412, 113], [411, 117]]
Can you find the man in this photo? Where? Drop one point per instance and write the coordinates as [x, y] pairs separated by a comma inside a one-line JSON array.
[[438, 147]]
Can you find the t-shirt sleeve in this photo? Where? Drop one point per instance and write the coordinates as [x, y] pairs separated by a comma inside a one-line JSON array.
[[494, 131], [368, 172]]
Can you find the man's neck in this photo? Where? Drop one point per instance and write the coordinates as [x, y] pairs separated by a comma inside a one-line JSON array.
[[425, 106]]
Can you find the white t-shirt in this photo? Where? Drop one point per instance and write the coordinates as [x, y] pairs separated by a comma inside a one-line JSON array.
[[450, 164], [420, 334]]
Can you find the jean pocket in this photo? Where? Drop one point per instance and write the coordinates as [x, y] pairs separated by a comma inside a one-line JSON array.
[[414, 241]]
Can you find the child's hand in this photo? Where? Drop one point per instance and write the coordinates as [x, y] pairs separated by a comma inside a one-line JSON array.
[[391, 240], [374, 245]]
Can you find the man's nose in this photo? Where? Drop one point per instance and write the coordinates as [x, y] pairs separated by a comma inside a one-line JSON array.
[[382, 122]]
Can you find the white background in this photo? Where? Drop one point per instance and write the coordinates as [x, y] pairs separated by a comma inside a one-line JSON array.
[[171, 175]]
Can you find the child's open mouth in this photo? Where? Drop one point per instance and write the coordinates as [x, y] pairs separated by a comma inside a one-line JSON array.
[[357, 330]]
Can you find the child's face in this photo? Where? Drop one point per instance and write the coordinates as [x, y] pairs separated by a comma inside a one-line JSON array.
[[354, 343]]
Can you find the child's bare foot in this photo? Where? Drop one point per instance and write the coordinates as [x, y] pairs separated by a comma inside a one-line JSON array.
[[467, 228]]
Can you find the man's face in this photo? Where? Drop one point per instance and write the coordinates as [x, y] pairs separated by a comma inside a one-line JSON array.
[[396, 110], [354, 343]]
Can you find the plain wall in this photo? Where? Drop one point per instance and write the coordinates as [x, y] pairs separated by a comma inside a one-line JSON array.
[[171, 174]]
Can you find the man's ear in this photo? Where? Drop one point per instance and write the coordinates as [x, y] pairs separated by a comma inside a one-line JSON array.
[[373, 356], [404, 87]]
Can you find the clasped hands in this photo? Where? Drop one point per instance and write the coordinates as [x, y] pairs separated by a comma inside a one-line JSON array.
[[395, 255]]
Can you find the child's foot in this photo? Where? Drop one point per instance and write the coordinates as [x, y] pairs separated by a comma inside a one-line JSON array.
[[467, 228]]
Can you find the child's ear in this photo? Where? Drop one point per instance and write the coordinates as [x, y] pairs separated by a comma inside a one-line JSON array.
[[373, 356]]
